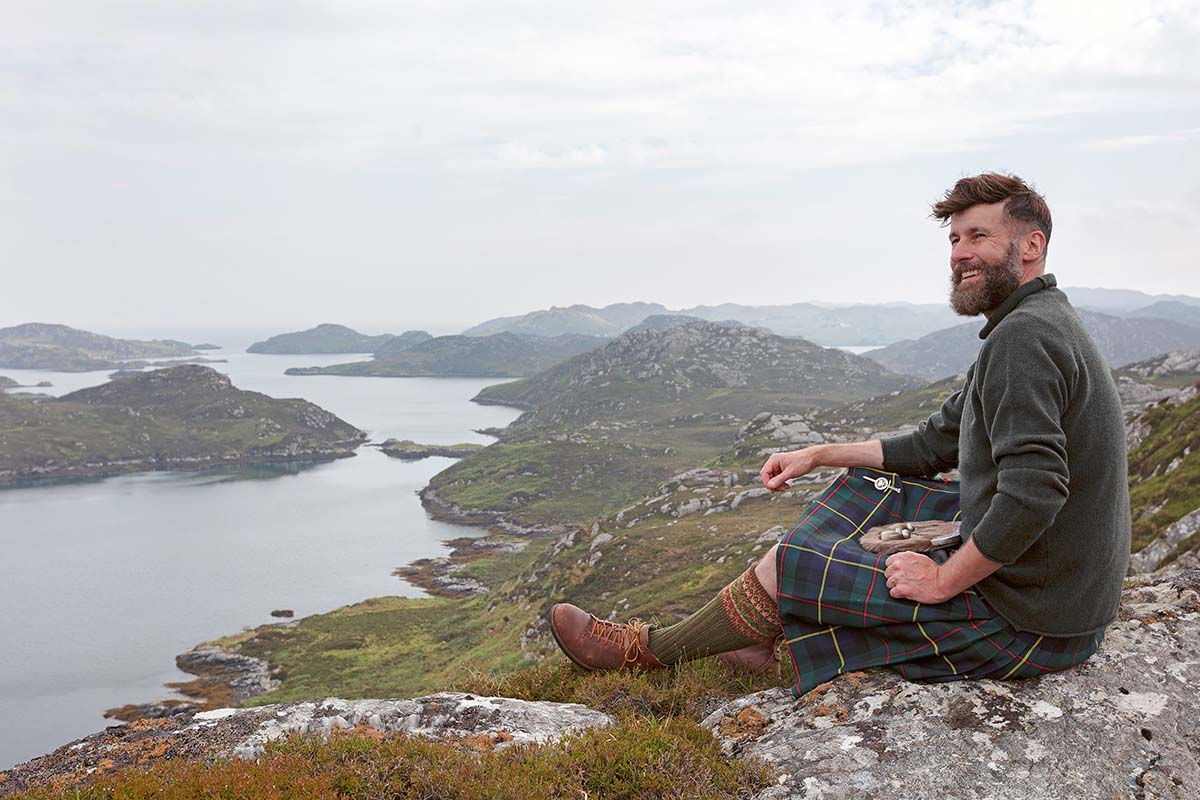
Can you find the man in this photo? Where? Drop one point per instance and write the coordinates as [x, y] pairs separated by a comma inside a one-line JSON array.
[[1037, 435]]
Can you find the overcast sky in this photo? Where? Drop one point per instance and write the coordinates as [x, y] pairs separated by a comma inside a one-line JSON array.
[[392, 165]]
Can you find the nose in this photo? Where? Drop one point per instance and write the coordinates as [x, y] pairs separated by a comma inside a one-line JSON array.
[[960, 251]]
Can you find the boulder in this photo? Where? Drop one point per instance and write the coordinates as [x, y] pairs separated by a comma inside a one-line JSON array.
[[1126, 723]]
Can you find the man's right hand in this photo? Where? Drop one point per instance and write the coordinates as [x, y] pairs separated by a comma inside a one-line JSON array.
[[781, 467]]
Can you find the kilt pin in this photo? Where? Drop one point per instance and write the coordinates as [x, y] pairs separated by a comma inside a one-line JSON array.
[[838, 616]]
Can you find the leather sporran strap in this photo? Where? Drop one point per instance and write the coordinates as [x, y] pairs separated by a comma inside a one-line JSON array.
[[916, 537]]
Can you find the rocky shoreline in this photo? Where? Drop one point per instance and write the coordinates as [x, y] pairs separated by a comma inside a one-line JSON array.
[[440, 576], [37, 475], [224, 678]]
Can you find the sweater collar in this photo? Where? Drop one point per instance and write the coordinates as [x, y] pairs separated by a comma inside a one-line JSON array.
[[1013, 300]]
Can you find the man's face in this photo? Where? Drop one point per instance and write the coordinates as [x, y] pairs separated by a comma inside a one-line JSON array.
[[985, 262]]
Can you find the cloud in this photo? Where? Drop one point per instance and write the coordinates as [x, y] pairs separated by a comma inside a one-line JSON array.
[[1144, 140], [546, 85]]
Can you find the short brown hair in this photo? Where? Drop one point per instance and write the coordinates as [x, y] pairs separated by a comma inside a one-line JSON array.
[[1022, 203]]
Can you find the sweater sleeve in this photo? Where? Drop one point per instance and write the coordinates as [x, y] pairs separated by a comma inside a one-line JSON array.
[[1024, 388], [932, 447]]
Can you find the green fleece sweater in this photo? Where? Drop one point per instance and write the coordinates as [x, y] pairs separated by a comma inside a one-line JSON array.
[[1038, 437]]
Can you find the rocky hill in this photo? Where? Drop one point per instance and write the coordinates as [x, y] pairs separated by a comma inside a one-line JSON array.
[[1180, 366], [37, 345], [182, 417], [501, 355], [330, 338], [1120, 340], [693, 367]]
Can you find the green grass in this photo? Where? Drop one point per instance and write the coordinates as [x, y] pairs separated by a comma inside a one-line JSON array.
[[1158, 497]]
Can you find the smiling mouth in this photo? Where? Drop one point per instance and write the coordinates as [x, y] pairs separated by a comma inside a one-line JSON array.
[[969, 273]]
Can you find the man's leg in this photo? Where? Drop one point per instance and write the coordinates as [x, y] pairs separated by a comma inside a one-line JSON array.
[[743, 614]]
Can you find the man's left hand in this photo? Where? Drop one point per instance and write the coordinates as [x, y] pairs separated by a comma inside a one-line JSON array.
[[915, 576]]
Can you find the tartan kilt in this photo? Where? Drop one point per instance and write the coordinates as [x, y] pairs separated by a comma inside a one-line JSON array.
[[838, 615]]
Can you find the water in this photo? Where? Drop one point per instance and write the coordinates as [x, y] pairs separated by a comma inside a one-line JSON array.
[[103, 582]]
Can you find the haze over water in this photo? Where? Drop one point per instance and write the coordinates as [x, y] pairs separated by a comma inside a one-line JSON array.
[[103, 582]]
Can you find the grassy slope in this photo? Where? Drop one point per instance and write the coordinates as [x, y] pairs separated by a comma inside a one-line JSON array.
[[1164, 472]]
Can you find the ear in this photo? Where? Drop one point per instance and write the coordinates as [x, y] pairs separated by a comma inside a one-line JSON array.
[[1033, 246]]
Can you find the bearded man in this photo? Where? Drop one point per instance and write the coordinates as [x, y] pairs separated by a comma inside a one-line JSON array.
[[1037, 435]]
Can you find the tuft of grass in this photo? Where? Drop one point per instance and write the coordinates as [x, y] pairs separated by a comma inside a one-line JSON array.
[[636, 758], [690, 690]]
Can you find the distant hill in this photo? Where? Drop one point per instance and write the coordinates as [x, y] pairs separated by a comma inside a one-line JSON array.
[[178, 418], [826, 325], [405, 341], [580, 319], [36, 345], [1120, 340], [1121, 301], [329, 338], [501, 355], [7, 383], [1170, 309], [695, 367]]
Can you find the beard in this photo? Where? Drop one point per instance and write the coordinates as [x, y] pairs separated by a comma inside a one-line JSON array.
[[997, 280]]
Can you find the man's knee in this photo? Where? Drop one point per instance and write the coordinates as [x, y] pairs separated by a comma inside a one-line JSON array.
[[765, 571]]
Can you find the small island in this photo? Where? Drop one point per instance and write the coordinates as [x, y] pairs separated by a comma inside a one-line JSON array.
[[36, 345], [408, 450], [500, 355], [183, 417], [7, 383], [329, 338]]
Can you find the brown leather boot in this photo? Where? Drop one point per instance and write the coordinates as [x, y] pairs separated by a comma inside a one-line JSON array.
[[594, 643]]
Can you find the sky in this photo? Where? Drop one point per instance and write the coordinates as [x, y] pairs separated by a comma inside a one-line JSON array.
[[393, 165]]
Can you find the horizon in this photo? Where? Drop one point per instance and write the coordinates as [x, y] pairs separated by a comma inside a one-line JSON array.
[[126, 329]]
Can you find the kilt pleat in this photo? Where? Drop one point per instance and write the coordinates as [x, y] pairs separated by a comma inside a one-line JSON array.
[[838, 615]]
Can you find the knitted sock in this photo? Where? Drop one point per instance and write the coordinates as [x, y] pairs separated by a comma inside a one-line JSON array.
[[741, 614]]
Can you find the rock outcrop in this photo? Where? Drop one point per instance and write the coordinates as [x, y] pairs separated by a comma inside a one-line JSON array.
[[482, 723], [1124, 724]]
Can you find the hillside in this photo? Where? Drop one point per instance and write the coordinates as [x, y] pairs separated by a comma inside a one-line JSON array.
[[607, 424], [694, 367], [1174, 310], [36, 345], [501, 355], [181, 417], [1120, 341], [330, 338]]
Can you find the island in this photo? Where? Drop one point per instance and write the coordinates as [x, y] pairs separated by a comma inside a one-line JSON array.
[[408, 450], [182, 417], [329, 338], [500, 355], [36, 345]]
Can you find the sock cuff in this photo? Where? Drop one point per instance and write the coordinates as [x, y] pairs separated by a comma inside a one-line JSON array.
[[750, 610]]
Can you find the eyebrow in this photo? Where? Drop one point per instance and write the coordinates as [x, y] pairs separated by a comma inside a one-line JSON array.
[[971, 229]]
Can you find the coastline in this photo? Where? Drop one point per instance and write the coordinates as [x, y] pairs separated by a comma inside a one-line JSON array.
[[47, 475]]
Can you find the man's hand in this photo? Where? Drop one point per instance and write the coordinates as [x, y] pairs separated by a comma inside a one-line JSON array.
[[781, 467], [916, 577]]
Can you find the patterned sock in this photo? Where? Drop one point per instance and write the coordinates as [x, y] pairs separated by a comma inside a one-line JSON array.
[[741, 614]]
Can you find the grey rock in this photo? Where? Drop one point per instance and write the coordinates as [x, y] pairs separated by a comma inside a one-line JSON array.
[[1124, 724], [1151, 556], [490, 722]]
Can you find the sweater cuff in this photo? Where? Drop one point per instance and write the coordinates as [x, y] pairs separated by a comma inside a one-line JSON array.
[[900, 455], [1007, 529]]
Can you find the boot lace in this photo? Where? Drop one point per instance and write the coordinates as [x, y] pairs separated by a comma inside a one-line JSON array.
[[627, 636]]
